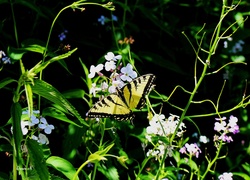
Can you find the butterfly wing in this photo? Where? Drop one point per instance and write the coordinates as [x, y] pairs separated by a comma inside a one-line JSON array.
[[119, 105], [133, 94], [111, 106]]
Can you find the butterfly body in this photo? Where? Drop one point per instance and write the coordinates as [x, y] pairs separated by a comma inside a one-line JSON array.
[[119, 105]]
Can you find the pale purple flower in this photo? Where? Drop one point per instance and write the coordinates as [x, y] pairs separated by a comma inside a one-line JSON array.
[[44, 125], [191, 149], [127, 73]]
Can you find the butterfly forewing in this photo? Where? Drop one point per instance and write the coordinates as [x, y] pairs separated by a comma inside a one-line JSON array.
[[134, 93]]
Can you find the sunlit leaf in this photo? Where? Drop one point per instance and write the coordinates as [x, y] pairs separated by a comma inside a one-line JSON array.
[[52, 94], [62, 165]]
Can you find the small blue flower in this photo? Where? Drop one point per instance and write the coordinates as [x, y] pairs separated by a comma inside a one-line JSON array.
[[114, 18], [102, 20], [62, 36], [6, 60]]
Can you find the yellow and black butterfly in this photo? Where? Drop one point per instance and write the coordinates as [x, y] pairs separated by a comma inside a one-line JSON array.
[[119, 105]]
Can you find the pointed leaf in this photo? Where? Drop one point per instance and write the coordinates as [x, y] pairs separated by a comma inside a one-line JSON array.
[[62, 56], [57, 114], [41, 66], [6, 81], [52, 94], [16, 113], [29, 96], [37, 159], [62, 165]]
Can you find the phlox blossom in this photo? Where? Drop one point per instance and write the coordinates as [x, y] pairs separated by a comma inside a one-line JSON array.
[[127, 73], [94, 70], [110, 65], [115, 84], [94, 89], [191, 149], [225, 128], [111, 57], [226, 176]]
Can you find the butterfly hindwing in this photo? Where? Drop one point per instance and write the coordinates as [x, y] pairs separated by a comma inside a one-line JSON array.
[[110, 106], [119, 105]]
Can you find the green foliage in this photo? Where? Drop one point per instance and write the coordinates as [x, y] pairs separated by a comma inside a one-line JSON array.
[[197, 50], [52, 94], [38, 163], [62, 166]]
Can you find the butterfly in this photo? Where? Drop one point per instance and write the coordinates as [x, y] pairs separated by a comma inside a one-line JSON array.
[[119, 105]]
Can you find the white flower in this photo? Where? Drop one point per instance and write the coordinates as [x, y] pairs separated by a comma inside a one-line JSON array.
[[94, 89], [193, 149], [94, 70], [104, 86], [226, 176], [44, 125], [115, 76], [127, 73], [110, 65], [111, 57], [204, 139], [23, 127]]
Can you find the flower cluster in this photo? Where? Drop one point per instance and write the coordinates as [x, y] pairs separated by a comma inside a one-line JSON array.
[[41, 123], [62, 36], [162, 127], [4, 59], [119, 75], [236, 48], [225, 128], [104, 19]]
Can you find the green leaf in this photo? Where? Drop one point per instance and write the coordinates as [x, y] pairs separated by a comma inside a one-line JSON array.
[[74, 93], [240, 19], [86, 80], [6, 81], [62, 165], [37, 159], [15, 54], [57, 114], [241, 174], [16, 113], [62, 56], [29, 96], [41, 66], [110, 172], [52, 94], [100, 155]]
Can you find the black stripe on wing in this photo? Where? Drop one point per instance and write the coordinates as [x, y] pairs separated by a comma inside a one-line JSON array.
[[95, 111]]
